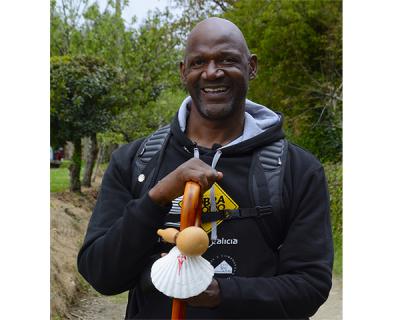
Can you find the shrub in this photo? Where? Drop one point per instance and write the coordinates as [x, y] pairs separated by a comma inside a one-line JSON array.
[[334, 176]]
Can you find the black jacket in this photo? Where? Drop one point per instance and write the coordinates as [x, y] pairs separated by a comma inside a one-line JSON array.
[[291, 283]]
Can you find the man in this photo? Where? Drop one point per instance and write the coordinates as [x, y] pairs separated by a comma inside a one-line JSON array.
[[252, 278]]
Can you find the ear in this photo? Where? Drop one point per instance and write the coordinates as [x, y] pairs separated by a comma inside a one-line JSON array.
[[182, 70], [253, 66]]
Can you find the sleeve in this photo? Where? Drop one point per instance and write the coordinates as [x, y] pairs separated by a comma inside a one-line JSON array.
[[305, 261], [121, 234]]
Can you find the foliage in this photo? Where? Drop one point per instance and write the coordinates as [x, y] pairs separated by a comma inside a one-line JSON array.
[[81, 103], [153, 116], [299, 47], [298, 44], [64, 23], [109, 137], [193, 11], [102, 34], [154, 58], [152, 68], [334, 177], [149, 56]]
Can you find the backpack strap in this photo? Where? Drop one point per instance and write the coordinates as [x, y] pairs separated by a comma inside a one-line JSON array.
[[273, 160], [144, 174], [266, 184]]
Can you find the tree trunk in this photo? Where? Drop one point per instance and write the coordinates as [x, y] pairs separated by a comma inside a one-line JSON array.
[[75, 167], [90, 160], [100, 155]]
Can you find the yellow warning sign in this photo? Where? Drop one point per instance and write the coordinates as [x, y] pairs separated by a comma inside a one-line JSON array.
[[223, 201]]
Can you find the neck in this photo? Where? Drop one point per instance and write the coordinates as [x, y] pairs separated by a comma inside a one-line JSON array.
[[206, 132]]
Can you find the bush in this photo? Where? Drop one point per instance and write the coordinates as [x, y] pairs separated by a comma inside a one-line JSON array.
[[334, 176]]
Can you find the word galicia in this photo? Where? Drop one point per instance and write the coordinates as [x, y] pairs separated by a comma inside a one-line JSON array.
[[225, 241]]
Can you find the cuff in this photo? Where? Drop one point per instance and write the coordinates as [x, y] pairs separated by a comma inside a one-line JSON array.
[[229, 290], [148, 212]]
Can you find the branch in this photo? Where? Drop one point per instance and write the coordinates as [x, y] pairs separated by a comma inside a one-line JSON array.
[[224, 5], [319, 119]]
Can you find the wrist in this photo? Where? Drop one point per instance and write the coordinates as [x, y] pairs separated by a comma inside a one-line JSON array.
[[157, 195]]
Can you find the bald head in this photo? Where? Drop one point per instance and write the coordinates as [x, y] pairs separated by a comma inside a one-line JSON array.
[[216, 71], [216, 28]]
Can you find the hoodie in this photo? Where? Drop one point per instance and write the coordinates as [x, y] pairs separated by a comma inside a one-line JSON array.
[[255, 281]]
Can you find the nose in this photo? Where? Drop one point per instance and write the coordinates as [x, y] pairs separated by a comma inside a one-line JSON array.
[[212, 71]]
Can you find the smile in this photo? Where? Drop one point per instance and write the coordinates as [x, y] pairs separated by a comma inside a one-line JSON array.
[[215, 90]]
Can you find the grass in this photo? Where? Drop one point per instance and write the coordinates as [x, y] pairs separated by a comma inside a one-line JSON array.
[[59, 177], [59, 180], [120, 298]]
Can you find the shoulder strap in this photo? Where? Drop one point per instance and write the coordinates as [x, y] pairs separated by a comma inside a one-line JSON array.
[[266, 184], [267, 190], [272, 159], [143, 174]]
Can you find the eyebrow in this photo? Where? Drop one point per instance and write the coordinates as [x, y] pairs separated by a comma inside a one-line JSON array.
[[221, 53]]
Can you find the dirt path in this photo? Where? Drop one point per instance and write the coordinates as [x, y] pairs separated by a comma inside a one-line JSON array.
[[97, 307], [113, 308], [332, 308]]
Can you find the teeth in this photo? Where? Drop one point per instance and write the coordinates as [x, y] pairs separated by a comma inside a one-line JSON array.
[[221, 89]]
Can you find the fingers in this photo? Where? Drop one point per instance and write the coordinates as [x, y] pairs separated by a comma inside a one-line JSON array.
[[200, 172], [172, 185], [209, 298]]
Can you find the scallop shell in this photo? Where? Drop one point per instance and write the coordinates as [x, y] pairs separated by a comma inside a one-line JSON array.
[[181, 276]]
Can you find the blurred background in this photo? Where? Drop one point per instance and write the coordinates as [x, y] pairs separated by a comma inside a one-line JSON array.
[[114, 78]]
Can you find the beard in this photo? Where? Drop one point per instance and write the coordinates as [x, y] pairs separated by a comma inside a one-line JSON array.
[[217, 110]]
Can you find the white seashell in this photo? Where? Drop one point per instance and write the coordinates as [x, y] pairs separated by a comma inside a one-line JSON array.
[[180, 276]]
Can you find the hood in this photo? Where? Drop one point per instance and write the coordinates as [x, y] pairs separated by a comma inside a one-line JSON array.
[[261, 126]]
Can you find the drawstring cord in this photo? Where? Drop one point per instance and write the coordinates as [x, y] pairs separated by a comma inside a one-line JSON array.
[[212, 197], [217, 155]]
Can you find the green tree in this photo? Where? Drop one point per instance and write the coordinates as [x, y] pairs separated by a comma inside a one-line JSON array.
[[65, 20], [299, 46], [193, 11], [104, 35], [152, 67], [148, 55], [82, 103]]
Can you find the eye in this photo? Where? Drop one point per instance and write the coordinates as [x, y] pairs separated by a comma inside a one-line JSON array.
[[228, 61], [197, 63]]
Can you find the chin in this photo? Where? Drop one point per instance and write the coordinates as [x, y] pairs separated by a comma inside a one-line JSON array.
[[216, 111]]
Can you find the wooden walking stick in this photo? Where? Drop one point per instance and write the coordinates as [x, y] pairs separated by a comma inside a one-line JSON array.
[[183, 272], [190, 216]]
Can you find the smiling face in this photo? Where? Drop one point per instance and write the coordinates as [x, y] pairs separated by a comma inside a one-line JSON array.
[[217, 69]]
